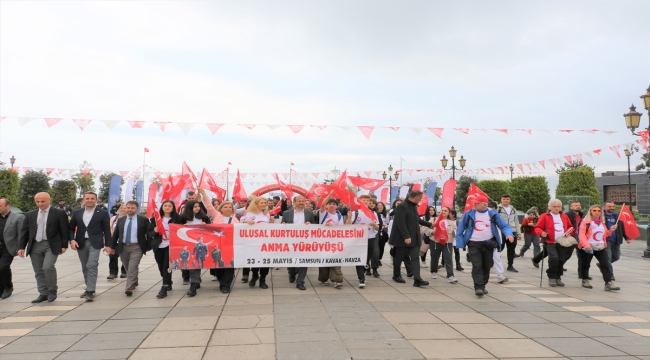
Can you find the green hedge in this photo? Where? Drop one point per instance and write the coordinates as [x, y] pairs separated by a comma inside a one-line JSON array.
[[529, 191]]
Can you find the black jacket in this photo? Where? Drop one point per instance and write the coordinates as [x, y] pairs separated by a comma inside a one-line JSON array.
[[155, 238], [99, 228], [406, 224], [56, 230], [572, 217]]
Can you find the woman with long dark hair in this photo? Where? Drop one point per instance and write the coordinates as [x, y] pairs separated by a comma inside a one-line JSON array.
[[430, 216], [160, 243], [382, 214], [193, 215], [257, 212], [442, 244]]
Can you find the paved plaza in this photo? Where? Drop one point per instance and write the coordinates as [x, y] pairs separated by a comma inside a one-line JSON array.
[[385, 320]]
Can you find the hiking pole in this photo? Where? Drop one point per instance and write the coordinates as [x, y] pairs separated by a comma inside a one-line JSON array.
[[541, 273]]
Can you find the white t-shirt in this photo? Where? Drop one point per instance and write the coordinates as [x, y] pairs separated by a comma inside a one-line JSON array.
[[363, 219], [194, 221], [482, 229], [259, 218], [597, 229], [332, 219], [507, 209], [558, 225], [165, 243]]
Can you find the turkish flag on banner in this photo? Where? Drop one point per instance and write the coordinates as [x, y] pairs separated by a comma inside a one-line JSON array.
[[284, 187], [207, 182], [205, 246], [473, 192], [238, 191], [318, 193], [629, 223], [357, 204], [423, 205], [153, 190], [448, 191], [366, 183], [157, 217], [340, 187]]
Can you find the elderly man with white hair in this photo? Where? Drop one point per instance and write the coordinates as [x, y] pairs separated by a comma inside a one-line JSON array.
[[550, 226]]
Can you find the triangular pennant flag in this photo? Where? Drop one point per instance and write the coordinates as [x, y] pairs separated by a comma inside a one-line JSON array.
[[505, 131], [61, 171], [315, 174], [161, 125], [346, 128], [437, 131], [24, 120], [52, 121], [597, 151], [110, 124], [186, 127], [321, 127], [521, 167], [82, 123], [463, 130], [248, 126], [253, 174], [124, 173], [592, 131], [273, 127], [49, 170], [395, 128], [566, 131], [568, 159], [589, 154], [296, 128], [136, 124], [243, 175], [214, 127], [368, 173], [541, 162], [97, 172], [529, 131], [615, 149], [579, 157], [417, 129], [366, 130]]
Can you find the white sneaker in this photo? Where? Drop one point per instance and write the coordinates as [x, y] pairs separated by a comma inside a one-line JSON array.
[[276, 268], [501, 279], [362, 283], [423, 264], [452, 280], [434, 275], [214, 278], [325, 283], [338, 284]]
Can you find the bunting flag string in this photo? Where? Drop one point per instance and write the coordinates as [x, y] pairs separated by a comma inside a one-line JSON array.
[[366, 131]]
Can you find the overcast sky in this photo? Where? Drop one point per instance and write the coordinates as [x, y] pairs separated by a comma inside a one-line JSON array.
[[466, 64]]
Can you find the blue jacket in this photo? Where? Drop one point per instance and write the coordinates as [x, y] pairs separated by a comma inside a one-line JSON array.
[[466, 227]]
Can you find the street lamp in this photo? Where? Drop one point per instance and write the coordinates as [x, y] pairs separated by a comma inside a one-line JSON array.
[[461, 161], [390, 181], [336, 172], [512, 169], [12, 161], [629, 177]]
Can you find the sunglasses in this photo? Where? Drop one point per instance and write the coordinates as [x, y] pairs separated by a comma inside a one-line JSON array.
[[594, 210]]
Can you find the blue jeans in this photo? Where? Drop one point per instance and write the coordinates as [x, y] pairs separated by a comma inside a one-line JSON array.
[[613, 254]]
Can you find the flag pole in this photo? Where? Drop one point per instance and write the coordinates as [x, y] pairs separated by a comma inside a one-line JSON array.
[[144, 161], [401, 173], [290, 172], [227, 182]]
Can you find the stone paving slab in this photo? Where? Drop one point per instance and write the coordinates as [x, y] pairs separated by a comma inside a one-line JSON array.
[[386, 320]]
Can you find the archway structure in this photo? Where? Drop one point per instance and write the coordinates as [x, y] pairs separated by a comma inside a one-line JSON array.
[[275, 187]]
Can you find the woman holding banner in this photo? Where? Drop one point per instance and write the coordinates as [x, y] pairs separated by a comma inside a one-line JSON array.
[[193, 215], [257, 212], [160, 243]]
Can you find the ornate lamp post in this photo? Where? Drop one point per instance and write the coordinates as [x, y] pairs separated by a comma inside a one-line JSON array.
[[629, 177], [461, 162], [390, 181], [12, 161], [512, 169]]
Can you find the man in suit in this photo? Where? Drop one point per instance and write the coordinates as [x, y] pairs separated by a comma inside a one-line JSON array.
[[298, 215], [200, 251], [44, 236], [89, 226], [130, 239], [10, 225]]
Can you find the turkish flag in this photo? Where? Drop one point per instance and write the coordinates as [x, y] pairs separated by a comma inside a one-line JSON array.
[[473, 192], [207, 182], [167, 185], [153, 189], [423, 205], [340, 187], [284, 187], [214, 238], [276, 210], [357, 204], [366, 183], [629, 223], [158, 218], [448, 191], [440, 236], [238, 191], [179, 184], [188, 176], [318, 193]]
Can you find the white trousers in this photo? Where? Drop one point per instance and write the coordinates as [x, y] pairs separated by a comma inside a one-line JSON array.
[[498, 265]]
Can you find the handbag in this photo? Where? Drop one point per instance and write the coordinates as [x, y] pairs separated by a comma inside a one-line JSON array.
[[566, 241], [598, 247]]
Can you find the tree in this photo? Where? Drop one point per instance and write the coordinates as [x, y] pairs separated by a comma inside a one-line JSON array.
[[104, 186], [645, 164], [32, 183], [580, 181], [84, 178], [494, 188], [462, 187], [529, 191], [576, 164], [9, 186], [64, 190]]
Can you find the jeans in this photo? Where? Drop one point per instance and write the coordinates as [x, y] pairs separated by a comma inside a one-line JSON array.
[[511, 246], [528, 240], [613, 254], [89, 258], [481, 256]]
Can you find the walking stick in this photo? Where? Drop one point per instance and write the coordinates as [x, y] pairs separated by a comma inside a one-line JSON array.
[[541, 273]]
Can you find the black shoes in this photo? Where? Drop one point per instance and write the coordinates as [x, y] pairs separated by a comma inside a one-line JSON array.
[[253, 281], [292, 278], [299, 286], [409, 274], [559, 282], [399, 279], [244, 279], [51, 297], [83, 295], [224, 289], [375, 273], [7, 292], [479, 292], [162, 293], [264, 286], [512, 268], [535, 264], [90, 296], [192, 291], [368, 272], [420, 282], [459, 268], [123, 276], [186, 281], [39, 299], [169, 287], [111, 276]]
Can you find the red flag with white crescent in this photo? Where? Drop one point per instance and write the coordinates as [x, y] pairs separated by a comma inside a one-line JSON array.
[[366, 183], [629, 223], [207, 182], [357, 204], [472, 193], [423, 205], [340, 187], [284, 187], [318, 193], [441, 236], [276, 210], [238, 191], [158, 218]]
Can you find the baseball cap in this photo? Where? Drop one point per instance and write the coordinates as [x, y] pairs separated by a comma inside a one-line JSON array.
[[480, 199]]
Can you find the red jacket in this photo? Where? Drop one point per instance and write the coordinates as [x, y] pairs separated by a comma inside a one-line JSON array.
[[545, 223]]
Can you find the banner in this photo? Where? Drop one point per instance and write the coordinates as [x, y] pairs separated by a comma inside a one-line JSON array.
[[448, 193], [211, 246], [114, 190], [139, 189]]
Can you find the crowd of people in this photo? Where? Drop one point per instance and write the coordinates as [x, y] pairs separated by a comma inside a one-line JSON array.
[[484, 232]]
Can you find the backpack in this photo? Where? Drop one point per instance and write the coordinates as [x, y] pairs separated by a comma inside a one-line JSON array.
[[327, 213]]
